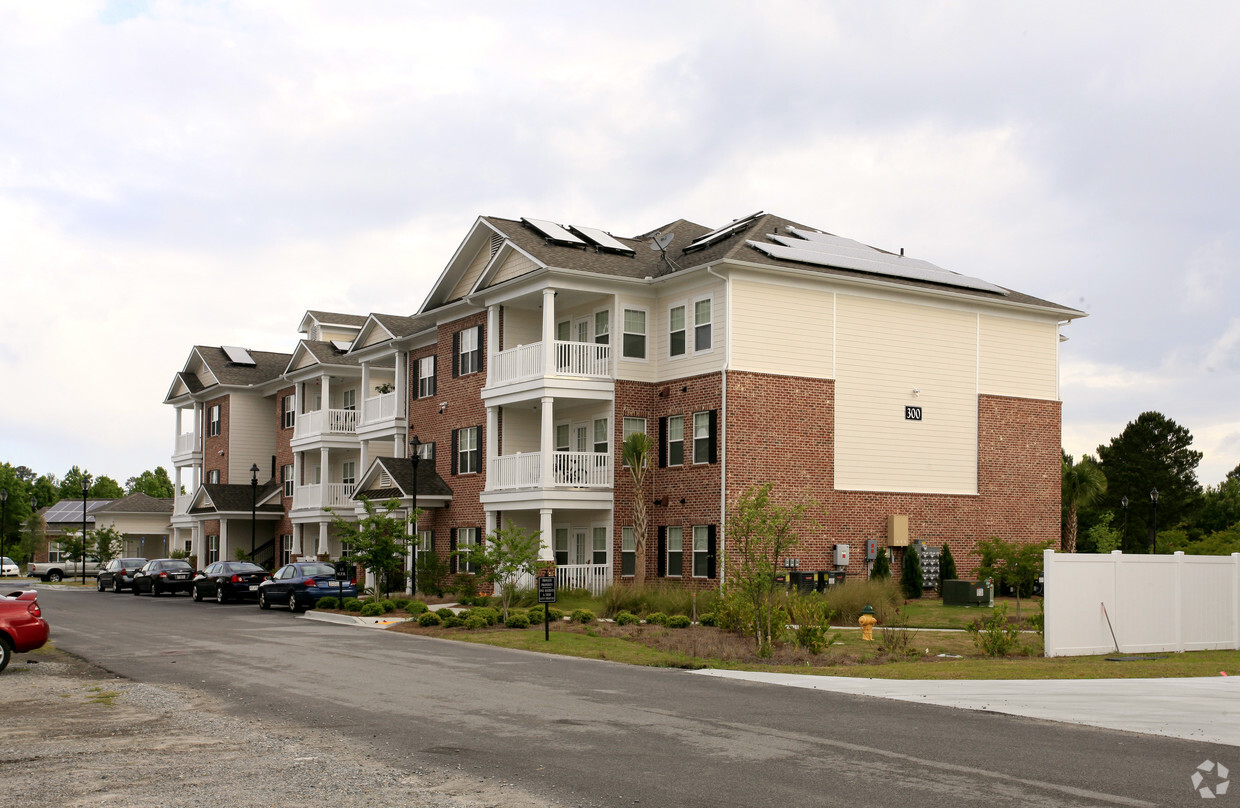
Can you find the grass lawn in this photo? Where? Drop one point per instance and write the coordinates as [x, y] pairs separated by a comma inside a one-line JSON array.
[[929, 612]]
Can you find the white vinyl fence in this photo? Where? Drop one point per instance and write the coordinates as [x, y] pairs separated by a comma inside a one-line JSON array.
[[1154, 602]]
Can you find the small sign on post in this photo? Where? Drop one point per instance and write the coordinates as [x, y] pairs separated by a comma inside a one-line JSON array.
[[546, 596], [342, 574]]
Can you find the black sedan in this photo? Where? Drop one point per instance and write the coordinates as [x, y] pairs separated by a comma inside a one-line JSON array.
[[118, 574], [163, 575], [228, 580], [301, 584]]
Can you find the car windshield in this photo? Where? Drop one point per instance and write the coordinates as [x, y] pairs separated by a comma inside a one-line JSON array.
[[245, 566], [177, 565], [132, 562], [318, 569]]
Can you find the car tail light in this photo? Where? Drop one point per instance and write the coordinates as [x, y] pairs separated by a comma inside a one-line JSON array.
[[120, 572], [163, 575], [266, 577], [34, 610], [352, 583], [236, 579]]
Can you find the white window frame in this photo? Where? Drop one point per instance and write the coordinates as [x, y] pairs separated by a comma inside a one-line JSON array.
[[625, 431], [708, 324], [348, 399], [675, 436], [472, 452], [53, 553], [705, 417], [213, 549], [348, 472], [286, 477], [555, 542], [346, 550], [602, 337], [289, 415], [213, 420], [564, 331], [466, 537], [628, 544], [286, 548], [701, 532], [426, 372], [606, 435], [423, 541], [426, 451], [567, 444], [644, 334], [213, 477], [469, 346], [684, 330], [599, 543], [680, 553]]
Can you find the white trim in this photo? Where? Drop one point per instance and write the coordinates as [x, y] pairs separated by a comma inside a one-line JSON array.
[[693, 304], [645, 310], [679, 304]]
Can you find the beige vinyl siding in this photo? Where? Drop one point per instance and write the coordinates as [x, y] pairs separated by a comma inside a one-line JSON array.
[[251, 436], [514, 266], [785, 330], [693, 362], [472, 273], [305, 360], [884, 350], [521, 327], [203, 373], [377, 334], [328, 333], [521, 430], [1018, 357]]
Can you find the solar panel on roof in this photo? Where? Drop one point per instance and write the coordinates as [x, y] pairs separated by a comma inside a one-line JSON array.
[[553, 231], [603, 239], [238, 356], [722, 232]]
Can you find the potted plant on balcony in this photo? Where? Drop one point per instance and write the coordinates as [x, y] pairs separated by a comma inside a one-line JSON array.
[[383, 388]]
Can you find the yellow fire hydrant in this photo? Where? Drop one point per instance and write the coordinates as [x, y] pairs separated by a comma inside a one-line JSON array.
[[867, 621]]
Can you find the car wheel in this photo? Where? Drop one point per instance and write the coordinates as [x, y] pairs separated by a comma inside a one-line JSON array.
[[263, 603], [54, 576], [6, 651], [154, 590], [116, 585], [98, 584], [294, 606], [195, 594], [220, 597]]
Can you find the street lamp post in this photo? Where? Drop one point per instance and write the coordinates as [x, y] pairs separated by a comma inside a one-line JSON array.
[[85, 491], [4, 522], [1123, 536], [414, 446], [253, 505], [1154, 526]]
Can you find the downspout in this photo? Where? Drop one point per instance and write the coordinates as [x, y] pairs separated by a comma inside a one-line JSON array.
[[723, 432]]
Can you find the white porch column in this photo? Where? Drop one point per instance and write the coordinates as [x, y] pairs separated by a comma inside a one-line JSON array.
[[176, 489], [492, 523], [546, 546], [363, 457], [199, 430], [399, 384], [547, 441], [179, 413], [297, 465], [548, 331], [323, 542], [299, 402], [492, 337], [224, 554], [298, 531], [366, 391], [327, 397], [324, 476], [399, 447], [492, 438]]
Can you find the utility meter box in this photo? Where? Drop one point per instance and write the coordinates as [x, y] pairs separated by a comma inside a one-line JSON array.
[[841, 555], [871, 549]]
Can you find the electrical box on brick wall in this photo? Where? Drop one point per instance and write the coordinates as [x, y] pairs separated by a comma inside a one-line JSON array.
[[929, 558], [841, 555], [897, 530], [871, 549]]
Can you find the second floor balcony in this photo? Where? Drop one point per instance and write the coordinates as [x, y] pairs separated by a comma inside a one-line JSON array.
[[325, 422], [568, 470], [585, 360], [325, 495], [182, 503], [380, 408]]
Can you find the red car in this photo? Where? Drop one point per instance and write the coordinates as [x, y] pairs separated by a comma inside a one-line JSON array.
[[22, 627]]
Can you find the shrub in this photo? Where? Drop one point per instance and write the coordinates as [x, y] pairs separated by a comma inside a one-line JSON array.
[[582, 616], [352, 605], [657, 619], [387, 606], [707, 619], [812, 638], [453, 621], [895, 638], [536, 614], [432, 574], [372, 609], [655, 598], [846, 600], [679, 621], [327, 603], [882, 566], [487, 613], [475, 621], [415, 607], [993, 635], [910, 574], [626, 619], [556, 614], [429, 619], [947, 567], [517, 620]]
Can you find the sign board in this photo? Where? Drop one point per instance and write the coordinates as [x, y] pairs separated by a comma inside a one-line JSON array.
[[912, 413], [546, 590], [344, 571]]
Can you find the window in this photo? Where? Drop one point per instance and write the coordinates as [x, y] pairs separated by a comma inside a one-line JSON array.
[[675, 551], [426, 542], [348, 400], [213, 476], [286, 474], [213, 420], [676, 331], [53, 553], [628, 551], [346, 550], [426, 376], [317, 473], [426, 451], [704, 428], [702, 551], [631, 426], [600, 435], [286, 548], [466, 537], [676, 440], [634, 334], [563, 331], [288, 411], [600, 545], [468, 350], [213, 549], [561, 437], [602, 326], [348, 472], [467, 455], [561, 545], [701, 325]]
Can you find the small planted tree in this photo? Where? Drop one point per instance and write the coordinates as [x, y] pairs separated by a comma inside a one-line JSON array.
[[636, 454], [1015, 564], [882, 567], [910, 574], [380, 540], [947, 567], [109, 543], [76, 546], [508, 555]]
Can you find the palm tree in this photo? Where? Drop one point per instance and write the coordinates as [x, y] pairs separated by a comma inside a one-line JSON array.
[[634, 452], [1083, 484]]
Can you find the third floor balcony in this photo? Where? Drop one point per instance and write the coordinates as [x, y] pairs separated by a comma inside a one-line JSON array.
[[325, 423], [568, 470], [573, 363]]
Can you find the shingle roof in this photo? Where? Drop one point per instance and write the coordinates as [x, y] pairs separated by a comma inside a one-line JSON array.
[[138, 503], [400, 326], [327, 354], [337, 318], [267, 366], [401, 471], [233, 497]]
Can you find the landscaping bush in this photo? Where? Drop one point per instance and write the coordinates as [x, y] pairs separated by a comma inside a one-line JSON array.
[[910, 574], [556, 614], [388, 606], [433, 572], [626, 619], [882, 566], [487, 613], [415, 607], [475, 621], [352, 605], [327, 603], [947, 568], [582, 616], [372, 609], [993, 635], [707, 619], [429, 619], [657, 619], [452, 621], [654, 598], [679, 621], [517, 620], [536, 614], [846, 600]]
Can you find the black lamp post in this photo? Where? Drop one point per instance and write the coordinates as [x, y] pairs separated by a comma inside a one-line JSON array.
[[414, 446], [1154, 526], [1123, 535], [85, 491], [4, 522], [253, 505]]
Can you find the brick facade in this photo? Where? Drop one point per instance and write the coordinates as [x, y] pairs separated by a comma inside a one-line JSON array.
[[215, 447], [284, 457]]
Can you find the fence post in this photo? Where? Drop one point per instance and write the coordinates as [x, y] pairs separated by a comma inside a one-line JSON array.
[[1117, 556], [1235, 601], [1178, 614]]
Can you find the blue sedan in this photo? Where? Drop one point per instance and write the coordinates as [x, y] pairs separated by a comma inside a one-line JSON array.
[[300, 585]]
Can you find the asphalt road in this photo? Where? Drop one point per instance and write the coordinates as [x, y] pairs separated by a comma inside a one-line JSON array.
[[581, 732]]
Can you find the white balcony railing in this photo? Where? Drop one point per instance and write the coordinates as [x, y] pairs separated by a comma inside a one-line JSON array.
[[187, 442], [584, 359], [570, 469], [326, 422], [379, 408], [181, 506], [330, 495]]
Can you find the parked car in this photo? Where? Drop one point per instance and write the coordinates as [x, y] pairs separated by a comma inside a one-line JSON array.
[[22, 627], [300, 585], [8, 568], [118, 574], [228, 580], [163, 575], [55, 571]]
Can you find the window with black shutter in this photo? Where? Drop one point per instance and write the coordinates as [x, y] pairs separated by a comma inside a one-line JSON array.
[[663, 442], [661, 563], [454, 562]]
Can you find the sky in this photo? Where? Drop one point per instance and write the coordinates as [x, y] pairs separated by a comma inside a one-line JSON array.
[[197, 172]]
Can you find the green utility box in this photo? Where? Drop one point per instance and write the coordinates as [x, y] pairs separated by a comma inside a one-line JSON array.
[[968, 593]]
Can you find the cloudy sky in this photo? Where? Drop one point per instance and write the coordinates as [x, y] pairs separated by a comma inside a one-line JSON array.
[[174, 173]]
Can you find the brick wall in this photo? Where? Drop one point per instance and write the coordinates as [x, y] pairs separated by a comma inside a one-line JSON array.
[[284, 457], [215, 448]]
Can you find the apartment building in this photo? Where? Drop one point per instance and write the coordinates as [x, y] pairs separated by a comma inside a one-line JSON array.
[[912, 402]]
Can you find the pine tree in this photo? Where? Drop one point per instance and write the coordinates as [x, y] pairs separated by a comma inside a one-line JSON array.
[[882, 567], [910, 574], [947, 567]]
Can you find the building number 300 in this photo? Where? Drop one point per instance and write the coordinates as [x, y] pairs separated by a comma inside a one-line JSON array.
[[912, 413]]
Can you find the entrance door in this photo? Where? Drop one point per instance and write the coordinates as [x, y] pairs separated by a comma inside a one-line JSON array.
[[578, 548], [581, 330]]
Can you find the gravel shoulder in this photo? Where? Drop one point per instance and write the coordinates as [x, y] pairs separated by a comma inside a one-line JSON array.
[[73, 734]]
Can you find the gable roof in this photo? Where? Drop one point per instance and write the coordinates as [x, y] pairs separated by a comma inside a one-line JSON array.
[[400, 471], [322, 353], [268, 366], [330, 318], [387, 327], [138, 503], [235, 498]]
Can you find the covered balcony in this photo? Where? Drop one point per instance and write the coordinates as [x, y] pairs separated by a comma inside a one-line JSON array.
[[324, 422], [324, 495], [586, 360], [568, 470]]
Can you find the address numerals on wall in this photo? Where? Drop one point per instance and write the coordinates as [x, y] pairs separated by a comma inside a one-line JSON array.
[[912, 413]]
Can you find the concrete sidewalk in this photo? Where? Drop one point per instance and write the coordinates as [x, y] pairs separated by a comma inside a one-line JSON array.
[[1198, 709]]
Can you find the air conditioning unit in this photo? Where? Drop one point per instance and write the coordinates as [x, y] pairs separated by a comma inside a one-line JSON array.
[[841, 555]]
